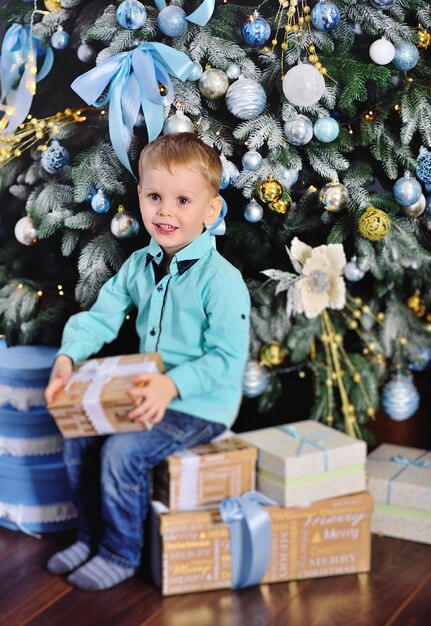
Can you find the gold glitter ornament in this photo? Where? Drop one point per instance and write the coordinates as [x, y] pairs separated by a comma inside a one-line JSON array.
[[272, 354], [282, 205], [52, 5], [374, 224], [270, 190], [424, 38]]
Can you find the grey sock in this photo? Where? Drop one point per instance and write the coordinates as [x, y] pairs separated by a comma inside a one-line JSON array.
[[99, 574], [68, 559]]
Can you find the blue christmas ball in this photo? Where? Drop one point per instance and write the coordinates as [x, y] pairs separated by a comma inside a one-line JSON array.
[[382, 4], [252, 160], [245, 99], [131, 14], [325, 15], [60, 40], [423, 361], [400, 398], [171, 21], [55, 158], [90, 194], [100, 202], [407, 190], [253, 212], [406, 56], [255, 379], [423, 170], [196, 72], [255, 31], [326, 129]]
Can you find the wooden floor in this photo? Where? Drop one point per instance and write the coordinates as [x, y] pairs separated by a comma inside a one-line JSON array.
[[397, 592]]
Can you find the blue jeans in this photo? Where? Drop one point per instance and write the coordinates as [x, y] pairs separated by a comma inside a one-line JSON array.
[[110, 479]]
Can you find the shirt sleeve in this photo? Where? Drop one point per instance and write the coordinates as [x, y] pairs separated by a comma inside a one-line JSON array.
[[85, 333], [226, 341]]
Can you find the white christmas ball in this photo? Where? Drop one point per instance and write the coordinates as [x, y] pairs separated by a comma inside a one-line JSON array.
[[86, 53], [124, 225], [245, 99], [252, 160], [178, 123], [382, 51], [233, 71], [25, 231], [303, 85]]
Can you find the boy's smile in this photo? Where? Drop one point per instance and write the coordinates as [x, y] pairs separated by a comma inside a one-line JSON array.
[[175, 205]]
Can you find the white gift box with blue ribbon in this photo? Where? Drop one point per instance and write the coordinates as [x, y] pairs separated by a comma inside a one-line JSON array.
[[302, 462], [34, 492], [399, 478]]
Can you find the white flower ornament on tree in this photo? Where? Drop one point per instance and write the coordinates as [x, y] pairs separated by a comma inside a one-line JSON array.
[[319, 282]]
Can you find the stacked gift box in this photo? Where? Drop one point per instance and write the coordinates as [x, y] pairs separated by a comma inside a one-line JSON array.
[[310, 517], [399, 479], [34, 495]]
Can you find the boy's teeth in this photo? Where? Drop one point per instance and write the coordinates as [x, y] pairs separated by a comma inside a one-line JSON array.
[[164, 227]]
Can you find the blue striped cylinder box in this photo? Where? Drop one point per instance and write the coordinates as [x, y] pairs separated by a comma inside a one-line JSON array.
[[28, 433], [34, 495]]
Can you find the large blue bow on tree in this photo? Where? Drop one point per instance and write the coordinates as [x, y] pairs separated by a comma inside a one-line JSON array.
[[200, 17], [16, 67], [250, 537], [134, 80]]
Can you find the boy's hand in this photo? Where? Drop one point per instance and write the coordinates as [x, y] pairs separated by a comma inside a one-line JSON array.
[[152, 392], [60, 374]]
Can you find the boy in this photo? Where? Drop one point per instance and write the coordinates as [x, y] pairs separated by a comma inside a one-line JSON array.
[[193, 308]]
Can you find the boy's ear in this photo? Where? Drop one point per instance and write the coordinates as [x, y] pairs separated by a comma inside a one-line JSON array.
[[139, 191], [213, 210]]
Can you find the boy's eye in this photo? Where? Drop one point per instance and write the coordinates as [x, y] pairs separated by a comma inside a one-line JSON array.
[[154, 197], [182, 200]]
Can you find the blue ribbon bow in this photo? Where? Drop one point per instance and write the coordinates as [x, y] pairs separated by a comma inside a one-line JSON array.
[[200, 17], [16, 47], [133, 78], [306, 440], [250, 537], [399, 459]]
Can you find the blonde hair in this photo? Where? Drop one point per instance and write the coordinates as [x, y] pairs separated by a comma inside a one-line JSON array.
[[184, 149]]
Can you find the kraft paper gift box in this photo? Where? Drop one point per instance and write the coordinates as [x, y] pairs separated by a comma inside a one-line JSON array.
[[206, 473], [399, 479], [306, 461], [198, 551], [95, 402]]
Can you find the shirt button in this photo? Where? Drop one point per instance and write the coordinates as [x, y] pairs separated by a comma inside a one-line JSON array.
[[152, 332], [160, 288]]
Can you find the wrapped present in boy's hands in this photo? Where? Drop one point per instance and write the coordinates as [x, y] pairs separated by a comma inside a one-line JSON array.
[[95, 399]]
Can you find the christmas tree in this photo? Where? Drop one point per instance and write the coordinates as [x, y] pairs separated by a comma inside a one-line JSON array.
[[320, 113]]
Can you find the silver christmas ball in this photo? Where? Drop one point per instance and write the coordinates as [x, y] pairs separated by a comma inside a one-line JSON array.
[[25, 231], [334, 196], [255, 379], [252, 160], [352, 272], [400, 398], [124, 225], [299, 131], [233, 71], [245, 99], [103, 56], [86, 53], [178, 123], [213, 84], [416, 209], [253, 212]]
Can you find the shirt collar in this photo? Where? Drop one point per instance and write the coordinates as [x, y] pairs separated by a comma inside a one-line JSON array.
[[185, 258]]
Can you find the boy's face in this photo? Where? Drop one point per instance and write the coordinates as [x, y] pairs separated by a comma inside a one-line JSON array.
[[175, 206]]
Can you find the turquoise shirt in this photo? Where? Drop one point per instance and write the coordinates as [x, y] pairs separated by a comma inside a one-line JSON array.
[[197, 317]]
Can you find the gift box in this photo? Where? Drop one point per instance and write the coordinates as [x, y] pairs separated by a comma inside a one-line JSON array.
[[306, 461], [399, 478], [206, 474], [198, 551], [95, 400], [28, 433], [34, 495]]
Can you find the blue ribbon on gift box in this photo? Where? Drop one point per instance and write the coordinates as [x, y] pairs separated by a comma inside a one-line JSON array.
[[250, 537], [406, 462], [307, 440]]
